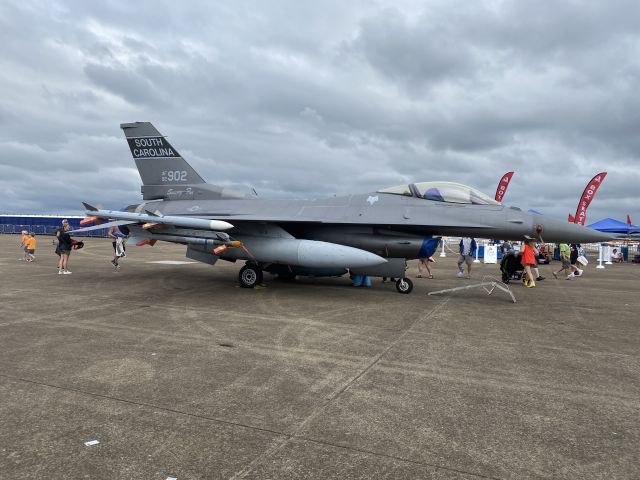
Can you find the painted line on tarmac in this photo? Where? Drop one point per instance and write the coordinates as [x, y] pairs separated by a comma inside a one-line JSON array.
[[287, 436]]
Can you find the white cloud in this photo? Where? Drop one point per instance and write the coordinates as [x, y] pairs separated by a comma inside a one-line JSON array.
[[317, 99]]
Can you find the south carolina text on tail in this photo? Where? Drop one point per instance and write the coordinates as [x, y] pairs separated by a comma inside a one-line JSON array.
[[164, 173]]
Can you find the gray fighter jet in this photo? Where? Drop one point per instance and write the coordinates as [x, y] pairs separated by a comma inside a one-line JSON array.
[[370, 234]]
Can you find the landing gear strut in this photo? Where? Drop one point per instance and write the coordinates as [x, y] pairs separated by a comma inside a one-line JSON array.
[[250, 275], [404, 285]]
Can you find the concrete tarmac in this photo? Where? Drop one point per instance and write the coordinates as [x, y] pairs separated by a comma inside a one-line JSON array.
[[177, 372]]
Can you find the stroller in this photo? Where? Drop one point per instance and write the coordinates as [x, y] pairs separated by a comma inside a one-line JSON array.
[[511, 267]]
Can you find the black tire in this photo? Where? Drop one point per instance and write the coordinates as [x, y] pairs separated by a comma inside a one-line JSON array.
[[250, 275], [404, 285]]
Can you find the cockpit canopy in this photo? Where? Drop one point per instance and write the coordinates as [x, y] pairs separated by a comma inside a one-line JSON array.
[[447, 192]]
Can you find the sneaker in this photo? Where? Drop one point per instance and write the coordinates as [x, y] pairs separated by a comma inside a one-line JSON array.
[[531, 285], [580, 272], [540, 278], [571, 276], [60, 272], [460, 274], [555, 275], [67, 272], [115, 265]]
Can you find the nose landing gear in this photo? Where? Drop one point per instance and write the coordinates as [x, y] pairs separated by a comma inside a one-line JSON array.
[[404, 285]]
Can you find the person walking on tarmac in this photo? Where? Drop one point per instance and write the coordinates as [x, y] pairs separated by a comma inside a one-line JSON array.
[[31, 247], [565, 257], [24, 238], [528, 260], [467, 251], [118, 238]]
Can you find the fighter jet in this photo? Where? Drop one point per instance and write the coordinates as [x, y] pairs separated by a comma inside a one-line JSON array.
[[374, 233]]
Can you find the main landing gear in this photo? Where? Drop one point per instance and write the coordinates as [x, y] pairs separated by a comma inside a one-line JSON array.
[[404, 285], [250, 275]]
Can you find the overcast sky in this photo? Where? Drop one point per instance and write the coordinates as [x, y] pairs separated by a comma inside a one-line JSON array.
[[309, 99]]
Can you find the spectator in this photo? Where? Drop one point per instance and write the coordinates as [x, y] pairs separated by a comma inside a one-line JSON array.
[[24, 237], [576, 248], [539, 249], [507, 248], [467, 251], [528, 260], [616, 256], [31, 247], [64, 245], [424, 262], [565, 258], [118, 245]]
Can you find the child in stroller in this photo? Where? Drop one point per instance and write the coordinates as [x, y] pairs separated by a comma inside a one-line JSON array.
[[511, 267]]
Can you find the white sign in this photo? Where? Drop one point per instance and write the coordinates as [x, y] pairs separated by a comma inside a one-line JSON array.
[[490, 254]]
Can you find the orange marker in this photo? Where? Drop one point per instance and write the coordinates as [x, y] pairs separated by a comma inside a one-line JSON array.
[[88, 220], [219, 249]]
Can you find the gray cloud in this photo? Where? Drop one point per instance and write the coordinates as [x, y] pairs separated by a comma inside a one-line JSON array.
[[308, 100]]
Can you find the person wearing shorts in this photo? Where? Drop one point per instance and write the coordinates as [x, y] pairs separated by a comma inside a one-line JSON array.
[[64, 245], [31, 247], [528, 261], [24, 238], [565, 257], [467, 251], [424, 263], [117, 238]]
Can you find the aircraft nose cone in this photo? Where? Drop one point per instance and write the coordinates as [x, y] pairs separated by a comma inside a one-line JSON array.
[[557, 231]]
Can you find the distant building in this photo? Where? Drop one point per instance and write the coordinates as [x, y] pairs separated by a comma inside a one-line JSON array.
[[42, 224]]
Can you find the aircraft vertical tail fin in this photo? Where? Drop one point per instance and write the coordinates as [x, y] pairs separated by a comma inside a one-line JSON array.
[[163, 171]]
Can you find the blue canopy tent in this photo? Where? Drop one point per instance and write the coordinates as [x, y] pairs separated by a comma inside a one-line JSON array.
[[611, 225]]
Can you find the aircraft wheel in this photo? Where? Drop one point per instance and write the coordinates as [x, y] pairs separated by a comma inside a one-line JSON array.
[[250, 275], [404, 285]]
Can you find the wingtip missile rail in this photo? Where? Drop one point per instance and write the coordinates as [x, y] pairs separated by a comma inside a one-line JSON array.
[[145, 218]]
